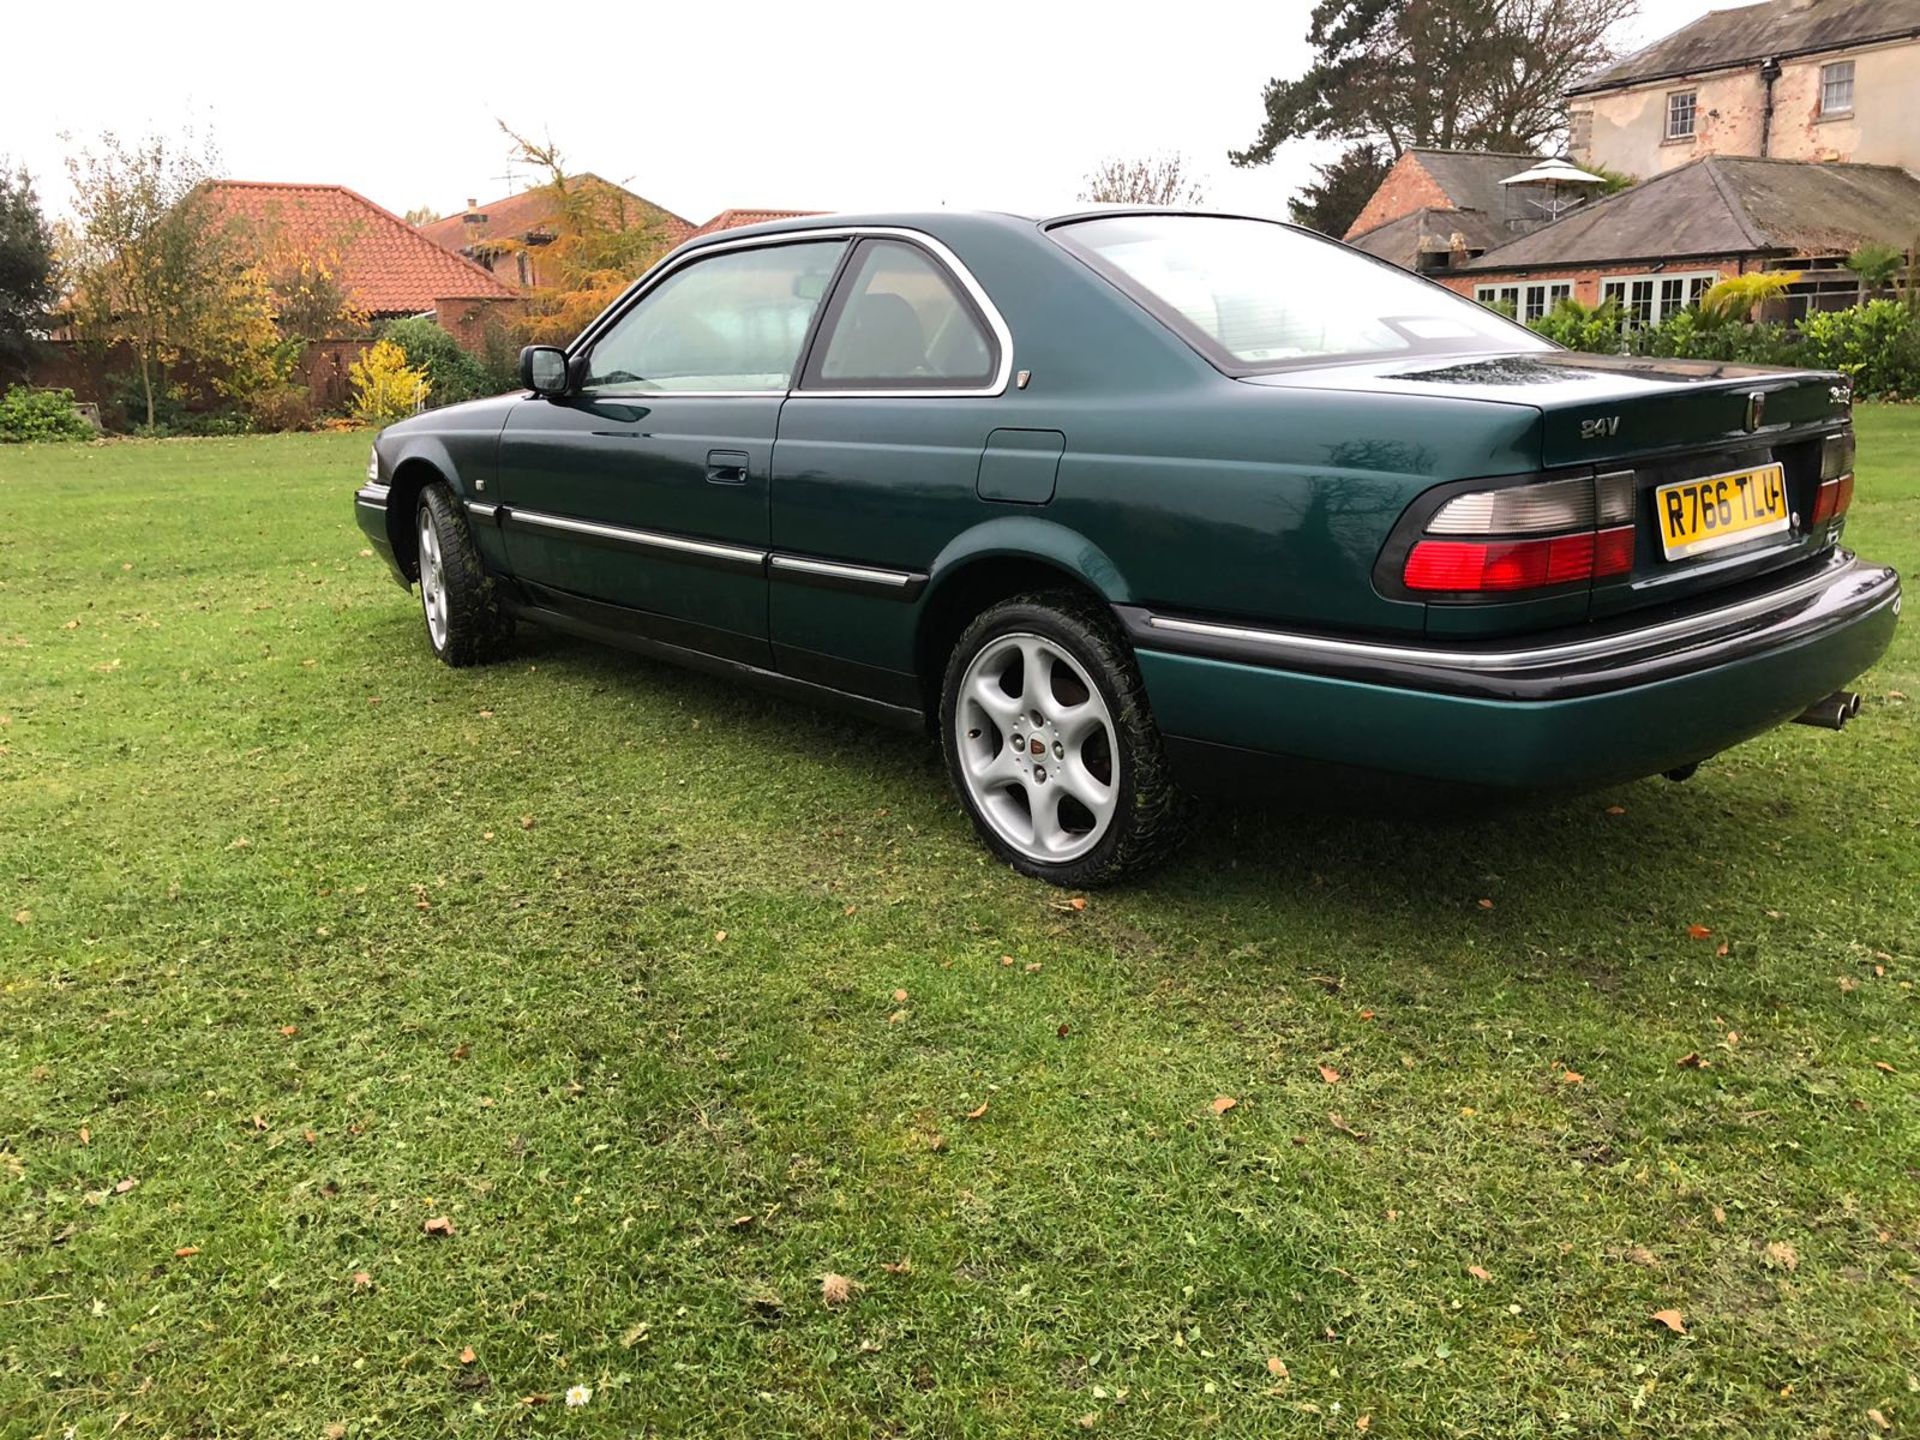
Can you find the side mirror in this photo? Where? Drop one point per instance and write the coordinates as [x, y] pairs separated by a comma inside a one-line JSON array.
[[543, 369]]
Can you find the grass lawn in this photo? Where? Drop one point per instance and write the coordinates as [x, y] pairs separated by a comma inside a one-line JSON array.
[[670, 999]]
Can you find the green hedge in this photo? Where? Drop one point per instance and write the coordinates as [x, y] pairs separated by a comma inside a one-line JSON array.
[[1877, 344], [453, 373], [40, 415]]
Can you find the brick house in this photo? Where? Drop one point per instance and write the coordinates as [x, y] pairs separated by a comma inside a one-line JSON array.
[[385, 267], [1658, 245], [1823, 80], [1436, 209]]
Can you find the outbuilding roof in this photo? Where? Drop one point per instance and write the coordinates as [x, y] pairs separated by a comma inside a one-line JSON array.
[[1728, 205], [529, 212], [1778, 29]]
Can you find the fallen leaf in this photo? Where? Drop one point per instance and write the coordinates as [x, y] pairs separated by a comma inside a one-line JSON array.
[[527, 822], [1339, 1123], [460, 1051], [1222, 1103], [1330, 1075], [123, 1186], [1366, 1014], [899, 997], [719, 935], [535, 1399], [1640, 1255], [1883, 1065], [1719, 1215], [1062, 1032], [336, 1431], [86, 1136], [740, 1222], [1572, 1077], [467, 1357], [289, 1030], [23, 917], [976, 1114], [362, 1280], [1616, 809], [186, 1252], [1486, 904], [437, 1225], [1088, 1420], [1780, 1253], [1276, 1367], [1006, 959], [1479, 1274], [1032, 966], [1363, 1422], [850, 909], [837, 1289], [1672, 1319], [1691, 1061], [1880, 1421], [1848, 984], [1079, 902], [1699, 932], [896, 1017], [310, 1137], [897, 1267]]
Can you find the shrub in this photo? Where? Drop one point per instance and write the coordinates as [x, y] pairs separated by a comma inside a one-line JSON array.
[[1583, 327], [284, 407], [452, 371], [385, 387], [40, 415], [1877, 344]]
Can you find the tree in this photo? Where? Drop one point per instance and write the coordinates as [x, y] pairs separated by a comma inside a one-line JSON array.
[[1457, 74], [26, 270], [1340, 190], [1154, 180], [1876, 265], [149, 265], [599, 241], [421, 215]]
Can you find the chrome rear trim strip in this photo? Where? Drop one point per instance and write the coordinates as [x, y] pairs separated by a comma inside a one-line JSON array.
[[482, 510], [372, 496], [1624, 642], [863, 574]]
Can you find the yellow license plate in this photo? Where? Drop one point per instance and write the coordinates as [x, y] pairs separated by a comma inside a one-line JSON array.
[[1716, 510]]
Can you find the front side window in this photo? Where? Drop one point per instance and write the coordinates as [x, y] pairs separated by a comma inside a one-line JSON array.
[[732, 323], [901, 322], [1253, 295], [1836, 88], [1680, 113]]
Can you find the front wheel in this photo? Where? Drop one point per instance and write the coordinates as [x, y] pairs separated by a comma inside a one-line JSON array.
[[1048, 739], [465, 625]]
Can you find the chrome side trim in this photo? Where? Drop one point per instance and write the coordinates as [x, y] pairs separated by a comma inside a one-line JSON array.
[[687, 255], [374, 497], [1692, 626], [482, 510], [647, 540], [864, 574]]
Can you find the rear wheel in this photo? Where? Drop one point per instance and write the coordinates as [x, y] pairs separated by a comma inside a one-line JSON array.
[[1048, 739], [465, 625]]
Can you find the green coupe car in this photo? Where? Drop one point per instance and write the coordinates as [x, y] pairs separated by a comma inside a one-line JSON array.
[[1123, 503]]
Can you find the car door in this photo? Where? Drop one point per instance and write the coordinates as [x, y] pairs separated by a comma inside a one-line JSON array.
[[879, 462], [640, 497]]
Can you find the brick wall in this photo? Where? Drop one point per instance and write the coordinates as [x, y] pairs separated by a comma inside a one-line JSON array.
[[1408, 187], [467, 319]]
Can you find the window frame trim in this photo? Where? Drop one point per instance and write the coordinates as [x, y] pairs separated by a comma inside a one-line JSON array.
[[1853, 79], [834, 308], [1626, 277], [1693, 116], [851, 235]]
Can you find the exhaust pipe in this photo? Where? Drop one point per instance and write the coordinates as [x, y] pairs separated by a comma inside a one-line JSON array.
[[1832, 713]]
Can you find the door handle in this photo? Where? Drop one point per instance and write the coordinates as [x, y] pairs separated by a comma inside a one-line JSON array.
[[726, 467]]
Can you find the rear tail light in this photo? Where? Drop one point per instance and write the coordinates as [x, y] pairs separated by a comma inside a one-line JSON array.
[[1830, 502], [1588, 536]]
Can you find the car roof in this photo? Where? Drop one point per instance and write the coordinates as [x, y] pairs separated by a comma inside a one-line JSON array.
[[940, 223]]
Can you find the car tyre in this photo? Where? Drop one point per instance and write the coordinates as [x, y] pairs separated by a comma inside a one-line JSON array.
[[1050, 744], [458, 598]]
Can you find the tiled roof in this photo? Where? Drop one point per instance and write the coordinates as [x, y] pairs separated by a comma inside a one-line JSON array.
[[1748, 34], [1430, 230], [530, 211], [389, 268], [734, 219], [1728, 205]]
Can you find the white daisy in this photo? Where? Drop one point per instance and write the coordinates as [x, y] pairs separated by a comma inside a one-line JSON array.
[[579, 1395]]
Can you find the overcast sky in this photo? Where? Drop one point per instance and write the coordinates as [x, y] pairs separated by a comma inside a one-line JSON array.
[[857, 104]]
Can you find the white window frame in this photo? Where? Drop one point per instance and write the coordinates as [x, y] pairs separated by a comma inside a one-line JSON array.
[[1693, 284], [1829, 80], [1532, 299], [1692, 99]]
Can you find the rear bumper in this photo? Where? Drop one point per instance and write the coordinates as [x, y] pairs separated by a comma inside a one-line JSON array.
[[1561, 712], [370, 513]]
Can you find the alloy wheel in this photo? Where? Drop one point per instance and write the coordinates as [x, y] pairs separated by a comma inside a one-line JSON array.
[[433, 581], [1037, 748]]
